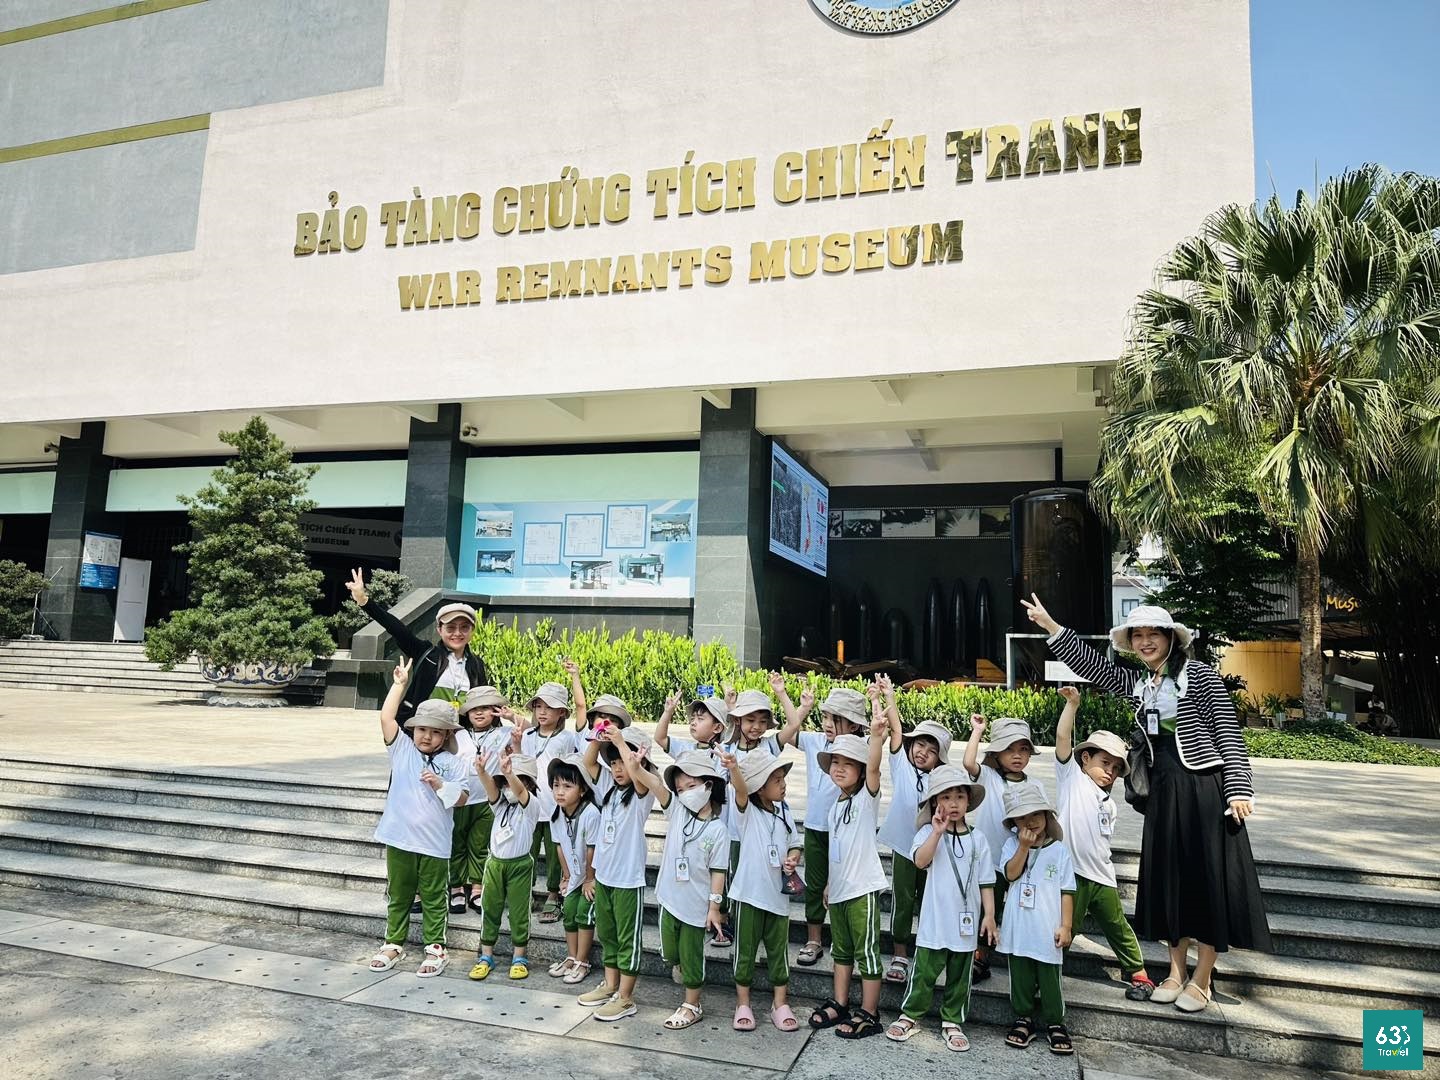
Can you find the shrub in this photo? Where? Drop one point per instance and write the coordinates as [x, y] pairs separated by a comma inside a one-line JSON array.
[[18, 586], [1334, 740], [385, 587]]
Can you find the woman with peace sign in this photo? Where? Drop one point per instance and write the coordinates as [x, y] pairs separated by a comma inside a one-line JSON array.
[[445, 670], [1197, 876]]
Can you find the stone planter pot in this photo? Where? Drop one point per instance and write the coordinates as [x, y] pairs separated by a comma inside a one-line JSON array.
[[260, 683]]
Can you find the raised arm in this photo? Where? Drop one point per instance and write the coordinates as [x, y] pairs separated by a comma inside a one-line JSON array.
[[662, 729], [892, 713], [577, 692], [400, 678], [407, 642], [517, 786], [777, 687], [879, 739], [1076, 655], [1065, 730], [644, 781], [737, 780], [482, 770], [925, 853], [789, 735], [592, 759], [972, 746]]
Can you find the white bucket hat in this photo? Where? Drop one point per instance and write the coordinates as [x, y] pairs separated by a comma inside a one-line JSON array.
[[747, 703], [612, 708], [846, 746], [1006, 732], [945, 778], [929, 729], [757, 769], [1111, 744], [1151, 616], [696, 763], [440, 715], [578, 761], [636, 739], [453, 611], [1030, 798], [715, 706], [521, 765], [552, 694], [847, 704], [483, 695]]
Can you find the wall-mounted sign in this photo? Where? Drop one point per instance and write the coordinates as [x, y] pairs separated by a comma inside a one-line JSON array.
[[100, 561], [880, 16], [361, 537]]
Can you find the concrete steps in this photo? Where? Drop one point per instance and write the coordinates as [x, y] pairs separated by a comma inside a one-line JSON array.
[[300, 851]]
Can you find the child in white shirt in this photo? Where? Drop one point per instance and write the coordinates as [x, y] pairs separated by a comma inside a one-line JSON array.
[[626, 792], [518, 808], [1087, 814], [770, 848], [691, 883], [548, 739], [427, 782], [483, 712], [958, 909], [575, 824], [856, 878], [1039, 917]]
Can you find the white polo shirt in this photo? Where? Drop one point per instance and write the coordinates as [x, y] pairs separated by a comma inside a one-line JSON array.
[[820, 790], [898, 832], [963, 866], [704, 845], [415, 819], [770, 745], [854, 853], [574, 836], [757, 877], [1087, 815], [620, 847], [546, 748], [514, 828], [989, 816], [1031, 931]]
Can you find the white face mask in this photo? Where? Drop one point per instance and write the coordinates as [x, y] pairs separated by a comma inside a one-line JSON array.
[[507, 794], [695, 798]]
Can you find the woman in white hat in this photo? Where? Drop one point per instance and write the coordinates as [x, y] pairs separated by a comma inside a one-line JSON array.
[[1197, 875], [510, 869], [444, 670]]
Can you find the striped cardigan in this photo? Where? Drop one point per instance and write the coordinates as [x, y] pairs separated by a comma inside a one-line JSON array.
[[1206, 731]]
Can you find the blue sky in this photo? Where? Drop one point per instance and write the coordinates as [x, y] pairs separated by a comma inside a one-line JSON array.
[[1341, 82]]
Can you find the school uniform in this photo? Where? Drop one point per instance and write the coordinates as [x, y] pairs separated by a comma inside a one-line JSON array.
[[820, 796], [898, 833], [762, 908], [694, 847], [769, 744], [510, 868], [1027, 934], [545, 749], [415, 828], [620, 873], [856, 881], [949, 924], [576, 838], [989, 821], [1087, 815], [470, 836]]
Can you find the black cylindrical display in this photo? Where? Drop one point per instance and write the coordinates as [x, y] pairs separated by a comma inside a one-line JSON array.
[[836, 617], [1057, 552], [932, 629], [959, 626], [984, 622], [865, 630], [897, 635]]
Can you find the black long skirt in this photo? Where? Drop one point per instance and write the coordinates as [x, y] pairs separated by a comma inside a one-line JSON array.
[[1197, 876]]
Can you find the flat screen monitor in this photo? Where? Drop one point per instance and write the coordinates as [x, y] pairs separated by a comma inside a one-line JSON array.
[[799, 512]]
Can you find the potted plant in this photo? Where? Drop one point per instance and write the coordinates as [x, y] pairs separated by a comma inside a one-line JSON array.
[[250, 622]]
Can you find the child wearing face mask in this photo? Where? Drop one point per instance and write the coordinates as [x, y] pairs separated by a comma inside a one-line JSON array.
[[1083, 779], [510, 869], [913, 754], [691, 882], [1002, 771]]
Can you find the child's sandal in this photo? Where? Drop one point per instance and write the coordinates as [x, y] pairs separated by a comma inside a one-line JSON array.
[[1059, 1039], [550, 912], [828, 1015], [578, 973], [457, 903], [1021, 1033], [561, 967], [810, 954], [685, 1015], [519, 968], [862, 1024], [954, 1038], [899, 969], [903, 1028], [435, 960], [389, 955], [483, 966]]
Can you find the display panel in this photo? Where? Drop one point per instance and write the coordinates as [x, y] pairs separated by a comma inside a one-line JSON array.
[[799, 512]]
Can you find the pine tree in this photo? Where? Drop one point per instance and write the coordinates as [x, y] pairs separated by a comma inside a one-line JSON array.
[[251, 585]]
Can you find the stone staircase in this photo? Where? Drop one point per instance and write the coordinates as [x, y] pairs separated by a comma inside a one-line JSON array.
[[300, 850], [113, 668]]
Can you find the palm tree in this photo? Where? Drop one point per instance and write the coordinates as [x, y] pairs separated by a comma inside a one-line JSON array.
[[1292, 330]]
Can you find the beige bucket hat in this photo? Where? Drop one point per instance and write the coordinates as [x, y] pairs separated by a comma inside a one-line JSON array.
[[1030, 798], [1111, 744], [553, 694], [1151, 616], [758, 767], [612, 708], [946, 778], [1005, 732], [521, 765], [747, 703], [846, 746], [931, 730], [455, 611], [578, 761], [714, 705], [477, 696], [440, 715], [849, 705], [696, 763]]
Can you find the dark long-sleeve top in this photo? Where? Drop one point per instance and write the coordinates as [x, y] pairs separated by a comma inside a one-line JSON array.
[[1206, 730], [429, 657]]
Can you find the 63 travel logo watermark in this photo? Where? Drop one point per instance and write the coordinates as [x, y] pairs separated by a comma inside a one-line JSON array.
[[1394, 1039], [880, 16]]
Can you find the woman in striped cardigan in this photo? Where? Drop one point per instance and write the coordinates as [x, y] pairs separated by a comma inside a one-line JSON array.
[[1197, 876]]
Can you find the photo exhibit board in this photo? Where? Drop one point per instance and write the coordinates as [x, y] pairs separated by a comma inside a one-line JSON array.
[[799, 512]]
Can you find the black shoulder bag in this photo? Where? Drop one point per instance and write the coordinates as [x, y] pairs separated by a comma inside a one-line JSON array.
[[1137, 780]]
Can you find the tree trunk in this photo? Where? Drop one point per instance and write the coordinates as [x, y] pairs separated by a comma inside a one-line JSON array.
[[1312, 659]]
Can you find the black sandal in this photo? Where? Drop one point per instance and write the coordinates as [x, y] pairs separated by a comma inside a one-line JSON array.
[[863, 1024], [1059, 1039], [1021, 1033], [820, 1020], [979, 971]]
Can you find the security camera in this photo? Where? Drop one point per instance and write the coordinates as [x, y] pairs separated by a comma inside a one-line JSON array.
[[468, 431], [51, 448]]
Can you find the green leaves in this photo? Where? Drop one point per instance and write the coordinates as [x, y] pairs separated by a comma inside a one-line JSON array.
[[18, 586]]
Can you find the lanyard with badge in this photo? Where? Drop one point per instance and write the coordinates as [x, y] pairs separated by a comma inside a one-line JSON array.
[[1150, 703], [503, 829], [967, 913], [608, 824], [846, 816], [1105, 812], [1027, 887], [692, 830]]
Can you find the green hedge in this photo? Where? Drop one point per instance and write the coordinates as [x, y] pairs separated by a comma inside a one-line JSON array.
[[642, 669], [1335, 741]]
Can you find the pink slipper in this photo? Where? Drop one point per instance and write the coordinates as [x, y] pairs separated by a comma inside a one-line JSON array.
[[744, 1019], [784, 1019]]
